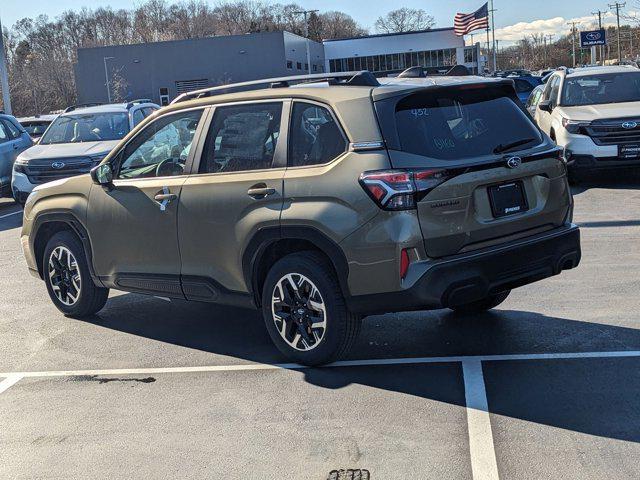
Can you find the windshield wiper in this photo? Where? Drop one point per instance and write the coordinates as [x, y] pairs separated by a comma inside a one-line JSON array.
[[509, 146]]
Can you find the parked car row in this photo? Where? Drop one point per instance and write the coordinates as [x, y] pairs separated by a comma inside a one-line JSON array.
[[68, 144], [593, 114]]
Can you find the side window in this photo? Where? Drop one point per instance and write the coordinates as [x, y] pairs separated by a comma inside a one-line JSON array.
[[138, 116], [315, 138], [4, 133], [148, 111], [555, 88], [162, 148], [547, 89], [523, 86], [12, 130], [241, 138]]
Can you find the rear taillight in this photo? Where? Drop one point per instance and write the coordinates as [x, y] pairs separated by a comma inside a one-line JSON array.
[[404, 263], [401, 189]]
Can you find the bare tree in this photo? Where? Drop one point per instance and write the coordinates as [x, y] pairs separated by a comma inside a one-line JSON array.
[[404, 20]]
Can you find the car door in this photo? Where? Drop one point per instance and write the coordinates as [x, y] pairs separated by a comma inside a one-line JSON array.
[[133, 225], [235, 191]]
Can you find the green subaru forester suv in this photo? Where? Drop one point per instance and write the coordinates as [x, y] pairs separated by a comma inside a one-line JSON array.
[[317, 199]]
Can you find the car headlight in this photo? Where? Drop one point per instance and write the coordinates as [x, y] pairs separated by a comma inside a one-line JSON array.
[[573, 126], [19, 165]]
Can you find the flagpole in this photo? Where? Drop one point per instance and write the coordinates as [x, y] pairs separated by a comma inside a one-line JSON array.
[[493, 34], [488, 48]]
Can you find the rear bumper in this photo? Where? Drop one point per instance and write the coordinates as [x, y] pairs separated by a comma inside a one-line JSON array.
[[468, 277], [590, 162]]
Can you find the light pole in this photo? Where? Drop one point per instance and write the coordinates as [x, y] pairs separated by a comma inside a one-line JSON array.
[[4, 77], [306, 34], [106, 76]]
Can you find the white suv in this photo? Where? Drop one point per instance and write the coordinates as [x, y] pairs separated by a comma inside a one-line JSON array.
[[75, 142], [594, 113]]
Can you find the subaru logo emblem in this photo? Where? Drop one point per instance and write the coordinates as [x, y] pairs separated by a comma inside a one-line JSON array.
[[514, 162], [57, 165], [629, 125], [593, 36]]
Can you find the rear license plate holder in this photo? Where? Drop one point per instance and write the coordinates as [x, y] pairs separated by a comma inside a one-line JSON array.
[[507, 199], [629, 151]]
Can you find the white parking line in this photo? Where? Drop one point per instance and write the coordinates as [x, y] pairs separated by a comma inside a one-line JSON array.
[[9, 381], [481, 448], [344, 363], [9, 214]]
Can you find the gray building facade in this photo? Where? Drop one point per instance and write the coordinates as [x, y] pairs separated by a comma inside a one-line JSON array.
[[161, 71]]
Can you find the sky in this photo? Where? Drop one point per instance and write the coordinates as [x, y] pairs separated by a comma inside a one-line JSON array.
[[513, 18]]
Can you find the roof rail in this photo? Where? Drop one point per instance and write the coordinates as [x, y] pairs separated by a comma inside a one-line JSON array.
[[138, 101], [71, 108], [362, 78], [420, 72]]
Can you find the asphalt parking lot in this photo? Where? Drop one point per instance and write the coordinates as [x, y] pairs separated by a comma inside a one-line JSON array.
[[546, 386]]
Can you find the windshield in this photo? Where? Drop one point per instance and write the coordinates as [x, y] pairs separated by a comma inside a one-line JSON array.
[[87, 127], [601, 88], [456, 123], [35, 128]]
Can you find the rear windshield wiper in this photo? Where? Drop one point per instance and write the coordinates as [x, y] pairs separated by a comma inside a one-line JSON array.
[[509, 146]]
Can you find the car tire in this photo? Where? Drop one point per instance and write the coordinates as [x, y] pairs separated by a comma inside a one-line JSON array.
[[483, 305], [66, 274], [301, 290]]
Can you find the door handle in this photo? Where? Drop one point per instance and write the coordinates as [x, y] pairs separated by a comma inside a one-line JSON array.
[[260, 191], [161, 197]]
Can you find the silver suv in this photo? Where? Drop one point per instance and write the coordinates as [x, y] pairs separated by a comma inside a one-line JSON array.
[[75, 142]]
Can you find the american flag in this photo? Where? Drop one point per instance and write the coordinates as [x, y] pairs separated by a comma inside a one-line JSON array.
[[464, 23]]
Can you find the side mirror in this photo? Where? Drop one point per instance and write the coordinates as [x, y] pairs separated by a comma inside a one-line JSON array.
[[102, 174], [546, 106]]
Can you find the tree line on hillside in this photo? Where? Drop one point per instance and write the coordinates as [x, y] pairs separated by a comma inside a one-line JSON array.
[[533, 53], [41, 52]]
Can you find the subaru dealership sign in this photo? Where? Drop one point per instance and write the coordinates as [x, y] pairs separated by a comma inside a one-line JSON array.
[[592, 38]]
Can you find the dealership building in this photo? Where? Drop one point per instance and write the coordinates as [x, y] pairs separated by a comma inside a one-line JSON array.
[[163, 70]]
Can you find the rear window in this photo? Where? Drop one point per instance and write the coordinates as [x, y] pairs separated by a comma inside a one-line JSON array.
[[451, 124]]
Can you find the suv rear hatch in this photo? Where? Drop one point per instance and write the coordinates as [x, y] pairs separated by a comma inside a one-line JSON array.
[[482, 172]]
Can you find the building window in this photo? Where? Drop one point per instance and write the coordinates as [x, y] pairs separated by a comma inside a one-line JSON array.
[[306, 66], [315, 68], [289, 64], [299, 65]]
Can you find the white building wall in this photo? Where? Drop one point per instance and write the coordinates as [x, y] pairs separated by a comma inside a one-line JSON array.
[[386, 44]]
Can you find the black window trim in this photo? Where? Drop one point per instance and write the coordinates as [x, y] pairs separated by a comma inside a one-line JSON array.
[[279, 155], [139, 131], [10, 136], [347, 148]]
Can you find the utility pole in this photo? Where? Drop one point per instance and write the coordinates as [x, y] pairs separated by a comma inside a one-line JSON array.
[[599, 14], [617, 7], [493, 35], [306, 14], [497, 51], [573, 41], [546, 54], [4, 77]]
